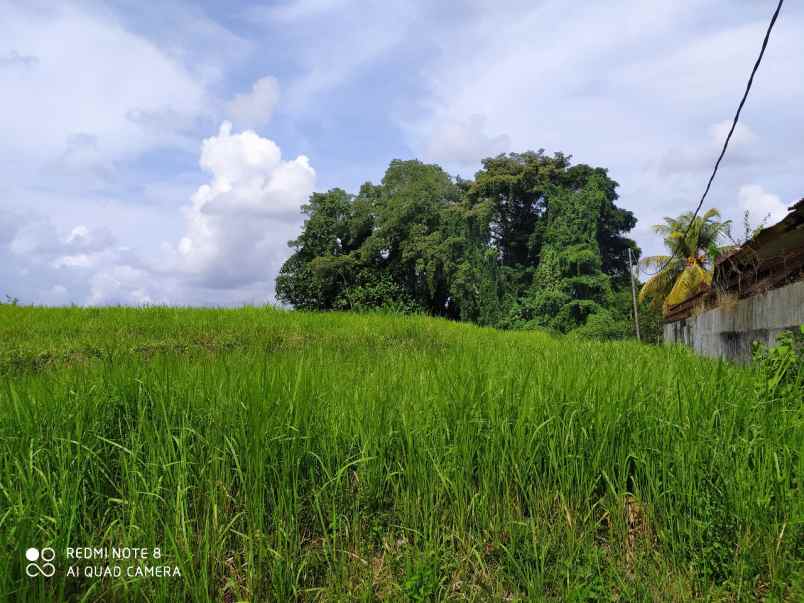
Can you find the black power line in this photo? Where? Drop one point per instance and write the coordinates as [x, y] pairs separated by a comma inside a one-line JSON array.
[[731, 131]]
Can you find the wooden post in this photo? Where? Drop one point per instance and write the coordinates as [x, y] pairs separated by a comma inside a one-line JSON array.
[[634, 295]]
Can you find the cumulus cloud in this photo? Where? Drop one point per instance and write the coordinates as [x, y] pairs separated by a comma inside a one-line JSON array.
[[238, 225], [121, 285], [37, 237], [236, 229], [760, 203], [464, 141], [83, 248], [114, 148], [255, 108], [88, 94], [39, 263], [89, 240]]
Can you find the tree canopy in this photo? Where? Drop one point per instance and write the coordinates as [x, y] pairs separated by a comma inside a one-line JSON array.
[[531, 242]]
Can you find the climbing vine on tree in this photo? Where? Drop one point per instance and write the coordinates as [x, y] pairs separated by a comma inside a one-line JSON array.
[[531, 242], [569, 284]]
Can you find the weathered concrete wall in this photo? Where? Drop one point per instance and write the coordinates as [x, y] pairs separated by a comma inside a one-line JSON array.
[[728, 332]]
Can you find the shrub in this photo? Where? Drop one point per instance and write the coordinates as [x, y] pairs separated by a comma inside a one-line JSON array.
[[602, 325], [780, 369]]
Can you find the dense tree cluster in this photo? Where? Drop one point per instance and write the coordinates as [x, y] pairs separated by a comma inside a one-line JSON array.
[[532, 242]]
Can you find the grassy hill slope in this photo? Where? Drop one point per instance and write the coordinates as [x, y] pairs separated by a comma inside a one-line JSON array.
[[277, 456]]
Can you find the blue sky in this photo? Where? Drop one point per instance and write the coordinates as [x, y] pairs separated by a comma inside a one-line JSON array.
[[159, 155]]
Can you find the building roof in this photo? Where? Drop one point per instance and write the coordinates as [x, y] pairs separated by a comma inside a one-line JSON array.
[[773, 258]]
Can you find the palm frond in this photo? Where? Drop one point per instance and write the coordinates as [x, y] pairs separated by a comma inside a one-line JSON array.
[[653, 261], [657, 287], [710, 213], [688, 283]]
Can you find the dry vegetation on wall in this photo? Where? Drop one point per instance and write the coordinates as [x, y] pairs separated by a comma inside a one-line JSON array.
[[279, 456]]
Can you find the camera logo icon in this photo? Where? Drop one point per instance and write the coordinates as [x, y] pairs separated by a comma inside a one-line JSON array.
[[40, 562]]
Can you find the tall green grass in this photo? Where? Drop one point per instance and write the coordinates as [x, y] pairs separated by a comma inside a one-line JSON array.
[[277, 456]]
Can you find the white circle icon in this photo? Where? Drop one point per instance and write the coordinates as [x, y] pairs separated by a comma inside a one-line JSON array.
[[40, 562]]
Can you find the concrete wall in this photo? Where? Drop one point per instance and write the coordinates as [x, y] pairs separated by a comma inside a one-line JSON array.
[[728, 332]]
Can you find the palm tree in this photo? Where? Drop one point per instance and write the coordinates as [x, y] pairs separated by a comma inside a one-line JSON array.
[[690, 264]]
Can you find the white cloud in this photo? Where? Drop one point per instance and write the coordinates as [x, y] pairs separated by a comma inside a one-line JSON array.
[[39, 238], [97, 100], [636, 90], [699, 156], [254, 109], [464, 142], [238, 225], [121, 285], [235, 238], [82, 260], [760, 203], [57, 295], [82, 238], [333, 41], [41, 264], [742, 135], [87, 91]]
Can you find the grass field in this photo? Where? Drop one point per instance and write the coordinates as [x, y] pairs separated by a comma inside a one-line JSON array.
[[277, 456]]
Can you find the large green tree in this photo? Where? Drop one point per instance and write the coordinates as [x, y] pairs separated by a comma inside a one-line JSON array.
[[531, 241], [516, 186], [407, 241], [390, 238], [569, 284], [313, 277]]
